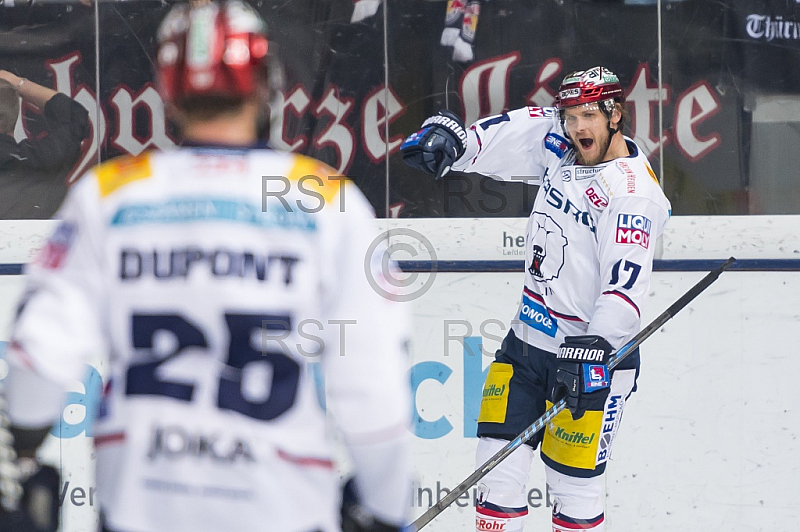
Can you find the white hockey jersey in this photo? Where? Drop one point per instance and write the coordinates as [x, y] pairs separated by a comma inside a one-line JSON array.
[[591, 236], [218, 281]]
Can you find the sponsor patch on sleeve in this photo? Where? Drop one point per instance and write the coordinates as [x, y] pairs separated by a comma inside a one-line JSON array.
[[633, 229], [52, 254], [540, 112], [121, 171], [596, 195], [556, 144]]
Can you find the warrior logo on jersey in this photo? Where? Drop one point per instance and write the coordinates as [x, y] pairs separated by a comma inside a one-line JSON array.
[[548, 243], [633, 229]]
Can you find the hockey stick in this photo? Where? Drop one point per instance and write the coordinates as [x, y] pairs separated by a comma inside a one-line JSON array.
[[540, 423]]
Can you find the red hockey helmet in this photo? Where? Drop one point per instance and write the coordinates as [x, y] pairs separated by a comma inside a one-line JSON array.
[[589, 86], [214, 49]]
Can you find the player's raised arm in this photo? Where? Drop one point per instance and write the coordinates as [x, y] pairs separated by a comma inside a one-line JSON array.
[[439, 143], [508, 146]]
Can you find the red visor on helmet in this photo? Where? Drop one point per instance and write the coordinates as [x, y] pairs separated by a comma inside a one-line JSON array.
[[588, 86], [217, 49]]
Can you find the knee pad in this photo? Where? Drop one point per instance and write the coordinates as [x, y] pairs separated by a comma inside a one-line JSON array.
[[502, 503], [578, 503], [581, 448]]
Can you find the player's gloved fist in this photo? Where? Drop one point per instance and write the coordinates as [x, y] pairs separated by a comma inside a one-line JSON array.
[[582, 375], [437, 145]]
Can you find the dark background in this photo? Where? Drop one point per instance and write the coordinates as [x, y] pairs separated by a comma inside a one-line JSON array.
[[335, 66]]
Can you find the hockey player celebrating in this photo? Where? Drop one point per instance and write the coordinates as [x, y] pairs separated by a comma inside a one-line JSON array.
[[590, 242], [215, 301]]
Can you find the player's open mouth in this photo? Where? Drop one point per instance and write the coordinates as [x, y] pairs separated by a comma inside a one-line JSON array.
[[586, 143]]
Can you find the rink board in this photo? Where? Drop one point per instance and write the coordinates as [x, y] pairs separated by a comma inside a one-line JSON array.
[[709, 442]]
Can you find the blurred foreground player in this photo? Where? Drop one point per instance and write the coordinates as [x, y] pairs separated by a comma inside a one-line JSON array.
[[214, 307], [590, 242]]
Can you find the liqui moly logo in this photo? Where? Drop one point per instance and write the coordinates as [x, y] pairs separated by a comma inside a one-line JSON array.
[[633, 229]]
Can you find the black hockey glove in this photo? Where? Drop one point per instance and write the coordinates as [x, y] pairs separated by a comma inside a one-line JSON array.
[[39, 502], [356, 518], [437, 145], [582, 377]]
